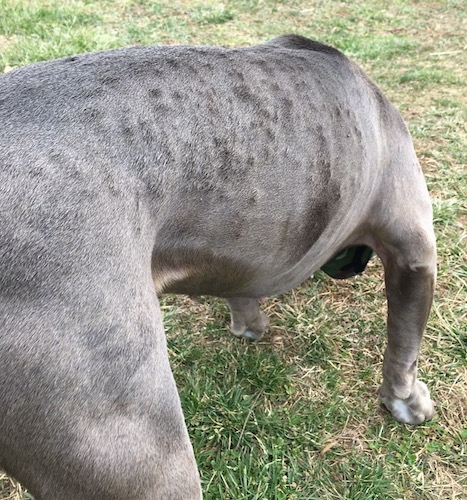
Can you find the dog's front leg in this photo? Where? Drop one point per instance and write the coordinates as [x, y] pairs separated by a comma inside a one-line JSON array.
[[409, 294]]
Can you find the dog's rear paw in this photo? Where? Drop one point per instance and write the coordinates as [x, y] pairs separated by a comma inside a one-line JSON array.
[[248, 334], [416, 409], [253, 330]]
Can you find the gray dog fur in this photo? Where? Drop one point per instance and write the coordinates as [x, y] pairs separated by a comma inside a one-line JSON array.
[[203, 170]]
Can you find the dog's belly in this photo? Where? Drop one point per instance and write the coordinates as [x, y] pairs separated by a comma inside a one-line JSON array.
[[223, 266]]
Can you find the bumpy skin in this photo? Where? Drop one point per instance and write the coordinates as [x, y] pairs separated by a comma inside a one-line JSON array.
[[231, 172]]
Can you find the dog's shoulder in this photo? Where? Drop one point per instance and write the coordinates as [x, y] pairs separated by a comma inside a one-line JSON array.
[[298, 42]]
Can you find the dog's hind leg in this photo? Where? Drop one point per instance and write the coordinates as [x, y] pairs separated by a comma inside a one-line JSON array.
[[92, 409], [247, 320]]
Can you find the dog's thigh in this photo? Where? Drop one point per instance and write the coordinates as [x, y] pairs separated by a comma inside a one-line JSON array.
[[89, 404]]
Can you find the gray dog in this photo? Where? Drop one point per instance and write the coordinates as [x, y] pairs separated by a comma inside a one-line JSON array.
[[201, 170]]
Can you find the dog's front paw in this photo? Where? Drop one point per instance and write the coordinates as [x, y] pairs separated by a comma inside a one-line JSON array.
[[416, 409]]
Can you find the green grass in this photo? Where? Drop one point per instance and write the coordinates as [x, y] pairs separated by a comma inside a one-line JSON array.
[[295, 416]]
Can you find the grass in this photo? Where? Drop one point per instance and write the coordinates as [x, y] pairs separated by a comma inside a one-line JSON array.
[[295, 416]]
